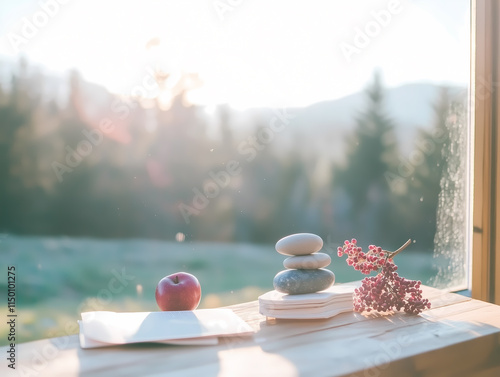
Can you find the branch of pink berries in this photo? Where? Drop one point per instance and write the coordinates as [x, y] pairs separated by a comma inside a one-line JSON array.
[[386, 291]]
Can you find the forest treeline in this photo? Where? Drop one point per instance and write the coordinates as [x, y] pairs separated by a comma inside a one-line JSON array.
[[113, 167]]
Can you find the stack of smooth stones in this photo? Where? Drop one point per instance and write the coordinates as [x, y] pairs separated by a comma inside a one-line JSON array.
[[304, 266], [305, 289]]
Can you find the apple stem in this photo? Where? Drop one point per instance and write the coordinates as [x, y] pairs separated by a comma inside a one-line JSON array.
[[176, 279]]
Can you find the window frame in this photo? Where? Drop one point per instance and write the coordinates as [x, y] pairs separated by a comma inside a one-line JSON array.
[[485, 106]]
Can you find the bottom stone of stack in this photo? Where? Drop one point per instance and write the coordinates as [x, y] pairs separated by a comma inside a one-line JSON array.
[[297, 282]]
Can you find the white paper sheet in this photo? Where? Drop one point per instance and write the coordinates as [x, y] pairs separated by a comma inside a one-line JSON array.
[[204, 326]]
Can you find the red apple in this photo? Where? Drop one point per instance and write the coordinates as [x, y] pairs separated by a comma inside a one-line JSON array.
[[179, 291]]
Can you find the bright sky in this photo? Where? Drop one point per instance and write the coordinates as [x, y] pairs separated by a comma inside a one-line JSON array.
[[248, 53]]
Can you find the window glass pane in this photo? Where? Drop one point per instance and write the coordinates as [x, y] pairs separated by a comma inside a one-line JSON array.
[[139, 139]]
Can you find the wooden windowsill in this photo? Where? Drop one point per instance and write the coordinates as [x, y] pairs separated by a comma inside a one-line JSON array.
[[457, 336]]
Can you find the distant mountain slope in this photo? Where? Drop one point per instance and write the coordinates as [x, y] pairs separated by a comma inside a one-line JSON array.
[[326, 124], [323, 125], [408, 105]]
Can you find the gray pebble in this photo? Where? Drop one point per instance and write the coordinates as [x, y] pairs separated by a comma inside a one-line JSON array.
[[296, 282]]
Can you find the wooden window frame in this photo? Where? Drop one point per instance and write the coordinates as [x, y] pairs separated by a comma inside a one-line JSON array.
[[485, 115]]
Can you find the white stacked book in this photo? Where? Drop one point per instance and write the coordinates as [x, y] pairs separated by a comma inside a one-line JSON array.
[[324, 304]]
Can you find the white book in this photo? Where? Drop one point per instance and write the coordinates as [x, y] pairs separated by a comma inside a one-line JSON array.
[[203, 327], [324, 304], [291, 314]]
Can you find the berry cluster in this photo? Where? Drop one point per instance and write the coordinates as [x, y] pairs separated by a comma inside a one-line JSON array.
[[387, 290], [373, 260]]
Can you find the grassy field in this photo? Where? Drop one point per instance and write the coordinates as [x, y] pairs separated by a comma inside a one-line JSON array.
[[58, 278]]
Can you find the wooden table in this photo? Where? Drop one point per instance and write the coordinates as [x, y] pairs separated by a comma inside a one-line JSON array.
[[458, 336]]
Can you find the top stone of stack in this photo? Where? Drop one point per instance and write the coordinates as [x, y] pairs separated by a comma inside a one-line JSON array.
[[299, 244]]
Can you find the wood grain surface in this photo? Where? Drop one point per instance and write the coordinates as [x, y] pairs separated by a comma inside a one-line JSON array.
[[458, 336]]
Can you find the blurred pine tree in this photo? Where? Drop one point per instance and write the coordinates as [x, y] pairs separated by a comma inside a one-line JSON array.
[[371, 152]]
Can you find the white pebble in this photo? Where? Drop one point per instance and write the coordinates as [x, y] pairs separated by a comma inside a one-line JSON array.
[[308, 262], [299, 244]]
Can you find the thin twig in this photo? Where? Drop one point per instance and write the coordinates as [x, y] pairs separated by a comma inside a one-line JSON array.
[[393, 254]]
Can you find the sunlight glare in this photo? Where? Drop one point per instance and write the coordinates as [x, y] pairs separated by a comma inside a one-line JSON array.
[[290, 57]]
